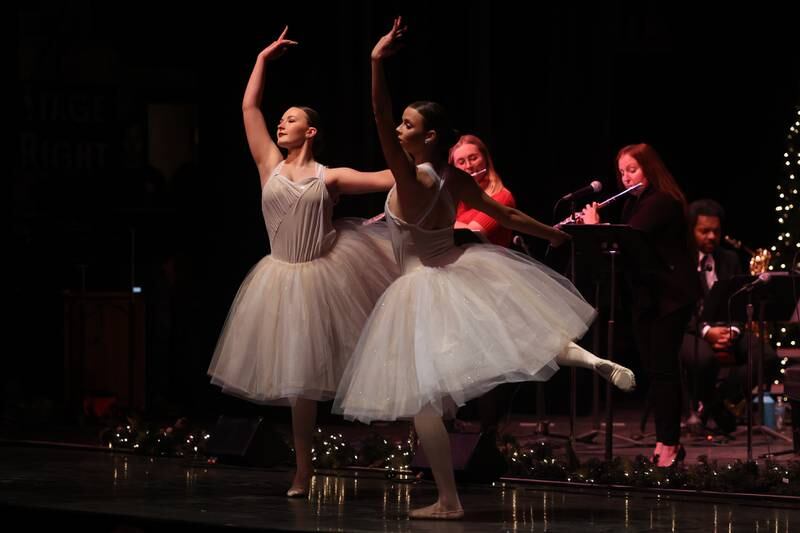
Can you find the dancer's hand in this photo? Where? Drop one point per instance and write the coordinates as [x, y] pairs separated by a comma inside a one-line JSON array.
[[390, 43], [559, 238], [278, 47]]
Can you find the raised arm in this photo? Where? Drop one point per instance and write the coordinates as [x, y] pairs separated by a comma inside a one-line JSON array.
[[263, 149], [399, 163], [465, 188]]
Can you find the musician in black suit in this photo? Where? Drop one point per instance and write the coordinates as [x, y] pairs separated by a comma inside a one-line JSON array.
[[708, 344], [664, 297]]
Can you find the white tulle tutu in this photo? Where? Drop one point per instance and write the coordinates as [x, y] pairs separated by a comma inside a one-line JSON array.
[[440, 336], [293, 326]]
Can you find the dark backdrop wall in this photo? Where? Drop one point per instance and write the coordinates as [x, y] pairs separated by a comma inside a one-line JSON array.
[[132, 166]]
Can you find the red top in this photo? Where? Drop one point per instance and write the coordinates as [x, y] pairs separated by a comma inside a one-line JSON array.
[[493, 231]]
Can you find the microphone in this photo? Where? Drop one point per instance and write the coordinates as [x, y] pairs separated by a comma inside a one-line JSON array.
[[593, 187], [520, 242], [762, 279]]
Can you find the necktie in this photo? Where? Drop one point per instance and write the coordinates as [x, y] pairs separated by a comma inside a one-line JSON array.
[[703, 269]]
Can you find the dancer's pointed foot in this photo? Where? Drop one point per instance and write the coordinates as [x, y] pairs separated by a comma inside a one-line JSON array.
[[618, 375], [437, 512], [296, 493], [299, 488]]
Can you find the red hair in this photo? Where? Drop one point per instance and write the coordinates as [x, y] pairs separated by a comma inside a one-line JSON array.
[[654, 169]]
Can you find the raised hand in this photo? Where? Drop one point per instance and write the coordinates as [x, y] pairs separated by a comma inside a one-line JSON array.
[[390, 43], [278, 48]]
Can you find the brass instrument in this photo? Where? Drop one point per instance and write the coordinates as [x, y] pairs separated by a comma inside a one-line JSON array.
[[577, 218], [759, 258]]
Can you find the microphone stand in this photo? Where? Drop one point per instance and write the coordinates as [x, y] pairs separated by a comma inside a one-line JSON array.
[[543, 426], [762, 326], [573, 374], [573, 371], [693, 401], [698, 310]]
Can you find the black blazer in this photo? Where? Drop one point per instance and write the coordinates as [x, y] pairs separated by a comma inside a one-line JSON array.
[[673, 283], [726, 263]]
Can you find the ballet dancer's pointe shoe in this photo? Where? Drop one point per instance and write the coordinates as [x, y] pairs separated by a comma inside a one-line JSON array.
[[299, 488], [296, 493], [618, 375], [436, 512]]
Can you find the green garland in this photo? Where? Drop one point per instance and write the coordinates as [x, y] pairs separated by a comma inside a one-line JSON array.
[[375, 452], [538, 461], [177, 440], [332, 451]]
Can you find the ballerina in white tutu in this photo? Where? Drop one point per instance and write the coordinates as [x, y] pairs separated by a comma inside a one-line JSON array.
[[459, 320], [297, 316]]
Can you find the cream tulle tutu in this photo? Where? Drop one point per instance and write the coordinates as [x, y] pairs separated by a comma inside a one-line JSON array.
[[298, 314], [458, 322]]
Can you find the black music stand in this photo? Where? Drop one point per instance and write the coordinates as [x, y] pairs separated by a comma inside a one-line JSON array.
[[609, 249], [776, 303]]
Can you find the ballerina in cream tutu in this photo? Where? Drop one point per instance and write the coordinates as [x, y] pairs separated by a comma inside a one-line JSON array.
[[460, 319], [298, 314]]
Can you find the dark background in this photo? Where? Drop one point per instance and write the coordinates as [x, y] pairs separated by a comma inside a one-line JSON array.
[[129, 137]]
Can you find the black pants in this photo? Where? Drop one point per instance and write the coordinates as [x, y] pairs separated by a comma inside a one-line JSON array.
[[659, 339], [703, 368]]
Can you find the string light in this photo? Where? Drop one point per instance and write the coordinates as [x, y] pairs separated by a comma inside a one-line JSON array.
[[787, 246]]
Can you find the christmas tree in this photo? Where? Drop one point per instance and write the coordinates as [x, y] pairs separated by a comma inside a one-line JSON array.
[[785, 252]]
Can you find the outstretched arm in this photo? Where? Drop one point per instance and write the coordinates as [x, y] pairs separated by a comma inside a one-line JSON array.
[[345, 180], [262, 147], [399, 163], [483, 223], [471, 194]]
